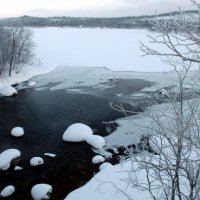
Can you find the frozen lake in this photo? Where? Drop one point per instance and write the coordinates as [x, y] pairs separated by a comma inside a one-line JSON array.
[[116, 49]]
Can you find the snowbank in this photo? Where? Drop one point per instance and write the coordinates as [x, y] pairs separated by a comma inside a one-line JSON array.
[[7, 156], [27, 72], [41, 191], [77, 133], [36, 161], [98, 159], [8, 90], [7, 191], [96, 141], [17, 132]]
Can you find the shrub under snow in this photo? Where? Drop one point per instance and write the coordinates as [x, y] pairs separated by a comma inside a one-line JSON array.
[[96, 141], [77, 133], [7, 191], [17, 132], [41, 191], [8, 90], [98, 159], [36, 161], [7, 156]]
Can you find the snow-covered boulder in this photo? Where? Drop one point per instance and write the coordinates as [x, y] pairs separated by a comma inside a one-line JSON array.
[[41, 191], [104, 166], [31, 84], [17, 132], [7, 156], [77, 133], [98, 159], [36, 161], [8, 90], [7, 191], [96, 141]]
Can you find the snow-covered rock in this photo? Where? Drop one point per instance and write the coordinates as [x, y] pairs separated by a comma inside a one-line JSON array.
[[17, 132], [7, 191], [77, 133], [36, 161], [7, 156], [96, 141], [41, 191], [98, 159], [52, 155], [104, 166], [7, 90], [32, 83]]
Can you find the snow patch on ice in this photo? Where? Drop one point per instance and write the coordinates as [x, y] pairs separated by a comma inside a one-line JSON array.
[[32, 83], [52, 155]]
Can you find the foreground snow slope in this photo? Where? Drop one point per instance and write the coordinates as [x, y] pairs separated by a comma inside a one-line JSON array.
[[108, 184]]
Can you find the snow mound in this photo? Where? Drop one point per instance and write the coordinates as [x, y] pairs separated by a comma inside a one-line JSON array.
[[77, 132], [105, 166], [41, 191], [17, 132], [17, 168], [8, 90], [52, 155], [7, 191], [36, 161], [96, 141], [98, 159], [7, 156], [31, 84]]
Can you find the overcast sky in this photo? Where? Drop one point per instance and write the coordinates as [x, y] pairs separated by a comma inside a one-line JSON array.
[[90, 8]]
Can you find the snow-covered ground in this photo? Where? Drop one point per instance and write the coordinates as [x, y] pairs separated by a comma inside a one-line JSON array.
[[116, 49]]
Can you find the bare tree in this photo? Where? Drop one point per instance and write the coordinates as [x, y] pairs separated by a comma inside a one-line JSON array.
[[173, 172], [16, 49]]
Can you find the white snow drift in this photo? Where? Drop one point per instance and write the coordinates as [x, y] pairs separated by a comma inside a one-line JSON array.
[[36, 161], [7, 156], [41, 191], [17, 132], [98, 159], [77, 133], [7, 191], [8, 90]]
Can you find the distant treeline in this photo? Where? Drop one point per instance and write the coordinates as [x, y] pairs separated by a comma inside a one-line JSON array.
[[115, 22]]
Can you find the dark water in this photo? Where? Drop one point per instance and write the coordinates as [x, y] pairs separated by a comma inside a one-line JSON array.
[[45, 116]]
